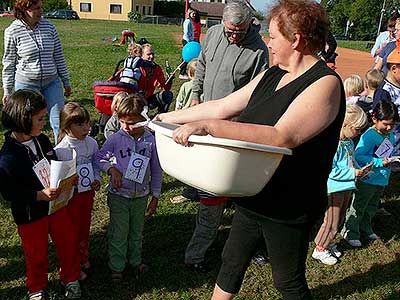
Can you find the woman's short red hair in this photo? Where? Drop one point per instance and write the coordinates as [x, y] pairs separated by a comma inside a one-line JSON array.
[[306, 17]]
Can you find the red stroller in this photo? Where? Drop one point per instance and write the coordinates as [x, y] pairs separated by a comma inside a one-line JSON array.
[[104, 91]]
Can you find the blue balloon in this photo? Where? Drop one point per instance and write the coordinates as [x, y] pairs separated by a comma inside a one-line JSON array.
[[191, 50]]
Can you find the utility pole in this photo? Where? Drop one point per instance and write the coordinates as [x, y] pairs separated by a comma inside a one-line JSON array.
[[380, 20]]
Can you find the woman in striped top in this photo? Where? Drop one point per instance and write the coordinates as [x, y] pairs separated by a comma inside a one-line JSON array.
[[34, 59]]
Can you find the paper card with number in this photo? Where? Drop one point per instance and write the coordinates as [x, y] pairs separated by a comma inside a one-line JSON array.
[[42, 171], [137, 168], [86, 177], [385, 149]]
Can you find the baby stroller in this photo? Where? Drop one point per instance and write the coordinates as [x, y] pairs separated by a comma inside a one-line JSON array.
[[104, 91]]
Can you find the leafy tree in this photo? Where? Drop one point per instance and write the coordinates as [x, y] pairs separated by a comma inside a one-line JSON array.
[[50, 5], [259, 15], [134, 16], [365, 19], [173, 9], [362, 14]]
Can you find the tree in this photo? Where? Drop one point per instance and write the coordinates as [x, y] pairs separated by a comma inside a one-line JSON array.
[[173, 9], [50, 5], [134, 16], [363, 14], [365, 19]]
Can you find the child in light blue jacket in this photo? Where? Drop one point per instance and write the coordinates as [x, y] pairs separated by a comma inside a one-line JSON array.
[[376, 147], [341, 184]]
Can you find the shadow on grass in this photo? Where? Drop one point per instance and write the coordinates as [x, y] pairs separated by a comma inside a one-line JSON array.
[[163, 251], [377, 276]]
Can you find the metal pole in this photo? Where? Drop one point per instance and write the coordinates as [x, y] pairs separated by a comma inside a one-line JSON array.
[[380, 20]]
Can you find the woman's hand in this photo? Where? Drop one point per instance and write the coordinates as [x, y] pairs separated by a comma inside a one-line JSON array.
[[48, 194], [116, 177], [164, 117], [182, 133]]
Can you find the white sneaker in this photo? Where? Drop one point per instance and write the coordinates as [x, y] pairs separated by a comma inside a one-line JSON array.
[[325, 257], [354, 243], [335, 251], [373, 237], [183, 77]]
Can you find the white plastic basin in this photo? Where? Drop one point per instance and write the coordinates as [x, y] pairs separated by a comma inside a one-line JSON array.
[[218, 166]]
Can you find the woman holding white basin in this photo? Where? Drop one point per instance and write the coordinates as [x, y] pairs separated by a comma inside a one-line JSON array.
[[299, 104]]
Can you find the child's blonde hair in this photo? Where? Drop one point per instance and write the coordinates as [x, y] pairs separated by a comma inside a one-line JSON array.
[[353, 85], [118, 97], [132, 106], [72, 113], [134, 49], [191, 67], [355, 116], [373, 78]]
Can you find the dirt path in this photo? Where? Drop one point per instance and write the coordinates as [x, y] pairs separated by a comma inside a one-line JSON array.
[[348, 62]]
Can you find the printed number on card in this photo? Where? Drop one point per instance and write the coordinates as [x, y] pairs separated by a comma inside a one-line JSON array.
[[137, 168], [86, 177], [385, 149], [42, 171]]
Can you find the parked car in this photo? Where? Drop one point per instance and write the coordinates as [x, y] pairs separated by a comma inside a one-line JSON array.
[[62, 14], [7, 14]]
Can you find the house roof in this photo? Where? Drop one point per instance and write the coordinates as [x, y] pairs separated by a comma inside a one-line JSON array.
[[212, 9]]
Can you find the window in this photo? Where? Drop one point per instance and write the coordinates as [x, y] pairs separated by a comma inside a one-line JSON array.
[[144, 10], [85, 7], [137, 8], [149, 10], [115, 8]]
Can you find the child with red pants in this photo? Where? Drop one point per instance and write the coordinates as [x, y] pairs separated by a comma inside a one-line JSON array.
[[73, 139], [25, 147]]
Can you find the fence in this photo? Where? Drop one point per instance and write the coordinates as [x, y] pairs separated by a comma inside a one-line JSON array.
[[161, 20]]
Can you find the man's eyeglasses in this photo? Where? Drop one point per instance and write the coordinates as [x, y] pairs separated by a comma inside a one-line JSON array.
[[239, 33]]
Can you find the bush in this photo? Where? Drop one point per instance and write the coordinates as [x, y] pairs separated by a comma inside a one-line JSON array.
[[50, 5], [134, 16]]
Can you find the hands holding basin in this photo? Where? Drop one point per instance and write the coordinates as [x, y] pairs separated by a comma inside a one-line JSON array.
[[181, 134]]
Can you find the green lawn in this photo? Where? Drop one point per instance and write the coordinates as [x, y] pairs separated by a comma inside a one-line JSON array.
[[371, 273]]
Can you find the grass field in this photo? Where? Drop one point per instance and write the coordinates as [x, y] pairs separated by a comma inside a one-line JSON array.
[[371, 272]]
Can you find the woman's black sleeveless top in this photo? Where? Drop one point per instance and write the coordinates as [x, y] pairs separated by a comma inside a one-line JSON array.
[[297, 192]]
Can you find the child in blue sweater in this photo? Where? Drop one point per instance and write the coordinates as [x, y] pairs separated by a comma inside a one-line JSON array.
[[341, 184], [376, 147]]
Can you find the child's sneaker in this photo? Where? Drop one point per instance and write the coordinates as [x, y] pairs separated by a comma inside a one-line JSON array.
[[72, 290], [373, 237], [39, 295], [334, 250], [354, 243], [325, 257]]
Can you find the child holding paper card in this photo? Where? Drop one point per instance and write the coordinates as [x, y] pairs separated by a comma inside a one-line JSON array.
[[341, 184], [130, 157], [24, 171], [376, 146], [73, 136]]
